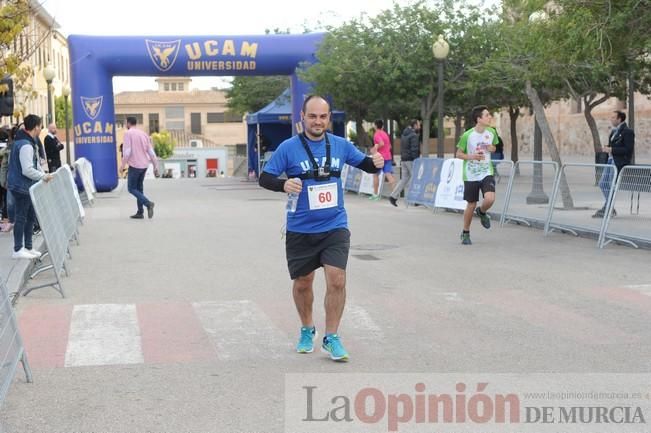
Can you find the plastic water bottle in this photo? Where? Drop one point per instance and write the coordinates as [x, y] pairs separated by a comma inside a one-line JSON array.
[[292, 201]]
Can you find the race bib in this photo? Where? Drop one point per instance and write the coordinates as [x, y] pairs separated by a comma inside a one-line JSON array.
[[322, 196]]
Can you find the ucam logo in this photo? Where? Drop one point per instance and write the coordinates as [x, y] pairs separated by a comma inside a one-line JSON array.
[[450, 172], [92, 106], [163, 54], [93, 131]]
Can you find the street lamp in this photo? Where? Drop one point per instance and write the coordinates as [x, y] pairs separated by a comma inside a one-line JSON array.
[[48, 74], [440, 49], [66, 92]]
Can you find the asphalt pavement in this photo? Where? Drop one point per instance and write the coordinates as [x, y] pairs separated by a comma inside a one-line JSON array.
[[185, 322]]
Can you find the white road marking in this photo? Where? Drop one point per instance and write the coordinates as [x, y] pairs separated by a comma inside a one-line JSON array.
[[361, 324], [104, 334], [241, 330]]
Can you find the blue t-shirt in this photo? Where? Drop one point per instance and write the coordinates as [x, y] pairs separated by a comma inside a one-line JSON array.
[[291, 158]]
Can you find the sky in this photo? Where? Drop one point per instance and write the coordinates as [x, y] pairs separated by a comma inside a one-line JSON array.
[[197, 17], [202, 17]]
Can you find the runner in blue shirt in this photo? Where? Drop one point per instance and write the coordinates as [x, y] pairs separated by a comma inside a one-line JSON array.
[[317, 231]]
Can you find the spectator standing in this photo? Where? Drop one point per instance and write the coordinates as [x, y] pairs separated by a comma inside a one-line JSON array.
[[25, 171], [409, 151], [53, 148]]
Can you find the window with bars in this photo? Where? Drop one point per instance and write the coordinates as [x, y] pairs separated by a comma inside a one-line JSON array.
[[223, 118]]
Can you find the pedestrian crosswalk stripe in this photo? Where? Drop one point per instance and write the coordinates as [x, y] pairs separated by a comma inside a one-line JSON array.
[[104, 334], [361, 324], [241, 330]]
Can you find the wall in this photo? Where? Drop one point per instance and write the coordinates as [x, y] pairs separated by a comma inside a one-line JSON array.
[[571, 130]]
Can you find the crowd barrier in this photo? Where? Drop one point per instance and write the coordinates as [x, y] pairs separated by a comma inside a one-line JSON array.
[[527, 200], [358, 181], [58, 211], [425, 178], [438, 183], [628, 216], [575, 202], [12, 351], [84, 169]]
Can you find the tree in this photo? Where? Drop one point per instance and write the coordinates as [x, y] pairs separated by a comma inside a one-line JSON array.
[[600, 45], [163, 144], [249, 94], [60, 113], [348, 70]]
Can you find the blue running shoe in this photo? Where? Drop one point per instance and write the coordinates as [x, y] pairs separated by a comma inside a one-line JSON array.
[[306, 342], [333, 347]]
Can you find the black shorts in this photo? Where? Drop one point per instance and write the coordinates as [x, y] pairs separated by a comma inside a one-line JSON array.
[[309, 251], [471, 188]]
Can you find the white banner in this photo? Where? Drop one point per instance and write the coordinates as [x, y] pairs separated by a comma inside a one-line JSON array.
[[366, 187], [450, 191]]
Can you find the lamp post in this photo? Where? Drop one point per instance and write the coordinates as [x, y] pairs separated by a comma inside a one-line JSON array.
[[48, 74], [66, 92], [440, 49]]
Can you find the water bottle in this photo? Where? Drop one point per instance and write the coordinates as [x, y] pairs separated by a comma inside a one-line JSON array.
[[292, 201]]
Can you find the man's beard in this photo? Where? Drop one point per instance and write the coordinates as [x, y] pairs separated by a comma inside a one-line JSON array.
[[315, 135]]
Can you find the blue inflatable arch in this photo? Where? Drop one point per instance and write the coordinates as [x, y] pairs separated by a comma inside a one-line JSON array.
[[95, 60]]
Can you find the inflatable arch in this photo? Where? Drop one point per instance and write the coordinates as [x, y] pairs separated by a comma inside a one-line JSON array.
[[95, 60]]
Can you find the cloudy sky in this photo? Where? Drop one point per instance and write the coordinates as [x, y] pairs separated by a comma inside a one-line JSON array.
[[201, 17]]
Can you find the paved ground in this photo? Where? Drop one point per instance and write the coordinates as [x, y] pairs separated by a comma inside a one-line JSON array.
[[185, 323]]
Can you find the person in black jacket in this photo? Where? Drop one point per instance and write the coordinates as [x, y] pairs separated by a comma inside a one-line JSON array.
[[53, 147], [409, 151], [621, 145]]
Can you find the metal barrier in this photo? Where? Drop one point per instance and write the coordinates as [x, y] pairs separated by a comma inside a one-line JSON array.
[[75, 192], [504, 171], [12, 350], [526, 199], [71, 209], [85, 170], [578, 214], [628, 218], [58, 214]]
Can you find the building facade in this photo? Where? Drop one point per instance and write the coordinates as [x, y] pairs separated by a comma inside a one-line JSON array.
[[188, 114], [207, 137], [42, 44]]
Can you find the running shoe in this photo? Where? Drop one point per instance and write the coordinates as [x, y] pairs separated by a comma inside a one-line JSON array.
[[465, 239], [306, 341], [485, 219], [333, 347]]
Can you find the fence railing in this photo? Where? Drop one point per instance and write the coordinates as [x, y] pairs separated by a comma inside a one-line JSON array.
[[527, 199], [59, 214], [84, 168], [12, 351], [577, 209], [628, 216]]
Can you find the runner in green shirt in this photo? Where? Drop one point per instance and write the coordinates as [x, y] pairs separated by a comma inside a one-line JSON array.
[[474, 148]]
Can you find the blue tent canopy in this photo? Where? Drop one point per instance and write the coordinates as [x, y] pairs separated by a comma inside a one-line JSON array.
[[280, 111], [272, 125]]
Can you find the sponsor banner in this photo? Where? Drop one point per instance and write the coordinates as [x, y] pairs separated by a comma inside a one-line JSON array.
[[455, 403], [353, 178], [366, 184], [426, 174], [450, 190]]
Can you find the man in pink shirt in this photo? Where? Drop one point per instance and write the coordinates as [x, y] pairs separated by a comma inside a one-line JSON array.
[[137, 153], [382, 144]]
